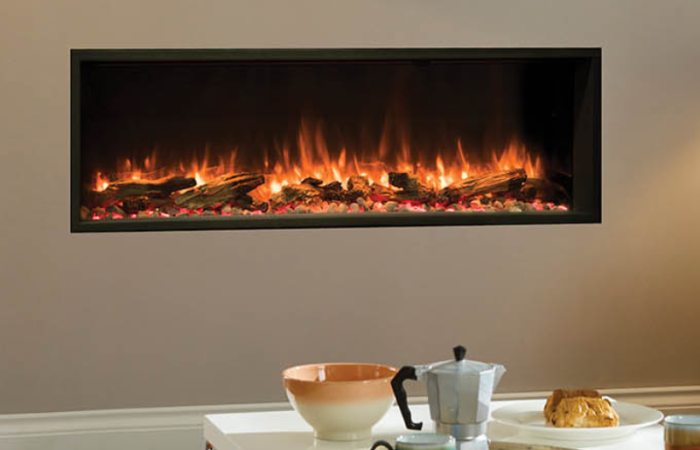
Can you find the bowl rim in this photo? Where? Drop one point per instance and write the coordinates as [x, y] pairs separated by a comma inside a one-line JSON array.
[[683, 420], [286, 376]]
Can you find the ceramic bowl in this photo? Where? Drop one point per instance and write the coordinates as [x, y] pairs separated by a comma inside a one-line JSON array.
[[341, 401]]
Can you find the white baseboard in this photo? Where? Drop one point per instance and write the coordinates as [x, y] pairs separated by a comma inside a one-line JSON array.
[[120, 420], [177, 428]]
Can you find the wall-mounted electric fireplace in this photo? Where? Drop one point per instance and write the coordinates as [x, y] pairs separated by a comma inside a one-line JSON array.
[[201, 139]]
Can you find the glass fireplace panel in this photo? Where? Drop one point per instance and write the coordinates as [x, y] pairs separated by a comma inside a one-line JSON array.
[[306, 138]]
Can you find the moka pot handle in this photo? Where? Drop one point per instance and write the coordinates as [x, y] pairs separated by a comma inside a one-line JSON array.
[[406, 373]]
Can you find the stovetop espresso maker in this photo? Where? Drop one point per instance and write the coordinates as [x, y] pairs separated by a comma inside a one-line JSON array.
[[459, 394]]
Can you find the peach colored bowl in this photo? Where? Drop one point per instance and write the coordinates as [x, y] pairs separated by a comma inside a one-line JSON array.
[[341, 401]]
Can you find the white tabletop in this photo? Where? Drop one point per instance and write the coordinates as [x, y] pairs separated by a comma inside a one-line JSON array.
[[286, 430]]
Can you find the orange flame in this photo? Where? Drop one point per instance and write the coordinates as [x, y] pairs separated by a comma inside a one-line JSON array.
[[314, 160]]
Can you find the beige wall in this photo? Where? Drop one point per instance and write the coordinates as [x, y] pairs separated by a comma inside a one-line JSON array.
[[127, 320]]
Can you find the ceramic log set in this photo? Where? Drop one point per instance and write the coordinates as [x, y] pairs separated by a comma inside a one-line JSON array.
[[459, 394]]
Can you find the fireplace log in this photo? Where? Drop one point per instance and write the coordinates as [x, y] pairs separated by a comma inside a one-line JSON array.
[[259, 206], [246, 202], [358, 186], [333, 191], [135, 204], [544, 190], [312, 181], [489, 183], [85, 213], [242, 201], [411, 188], [311, 190], [380, 193], [225, 189], [305, 192], [148, 189]]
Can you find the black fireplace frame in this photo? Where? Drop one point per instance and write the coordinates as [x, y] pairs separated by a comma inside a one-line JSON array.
[[587, 180]]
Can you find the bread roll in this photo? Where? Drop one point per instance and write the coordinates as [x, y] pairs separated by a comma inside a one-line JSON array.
[[584, 412], [559, 394]]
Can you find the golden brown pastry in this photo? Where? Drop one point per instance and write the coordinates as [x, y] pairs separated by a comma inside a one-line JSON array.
[[584, 412], [559, 394]]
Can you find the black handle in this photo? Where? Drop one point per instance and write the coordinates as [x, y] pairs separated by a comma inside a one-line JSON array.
[[382, 444], [406, 373], [460, 352]]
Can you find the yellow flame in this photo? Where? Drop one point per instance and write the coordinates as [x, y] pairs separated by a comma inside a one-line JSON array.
[[315, 159]]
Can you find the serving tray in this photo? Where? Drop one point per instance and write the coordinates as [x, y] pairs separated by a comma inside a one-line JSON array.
[[286, 430]]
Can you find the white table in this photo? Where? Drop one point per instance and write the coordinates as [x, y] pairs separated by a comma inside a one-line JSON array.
[[286, 430]]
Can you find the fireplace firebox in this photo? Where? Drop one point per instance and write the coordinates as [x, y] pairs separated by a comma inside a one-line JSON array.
[[303, 138]]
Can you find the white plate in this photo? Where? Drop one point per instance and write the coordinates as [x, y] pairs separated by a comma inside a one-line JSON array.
[[528, 417]]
